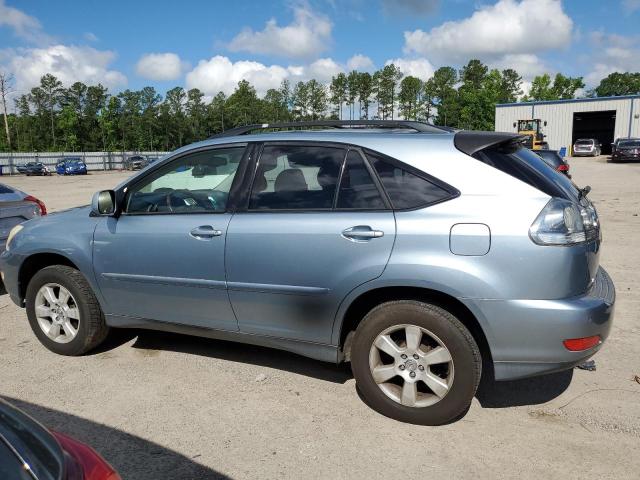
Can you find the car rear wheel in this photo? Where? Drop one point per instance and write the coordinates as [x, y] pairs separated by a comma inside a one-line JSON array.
[[63, 311], [415, 362]]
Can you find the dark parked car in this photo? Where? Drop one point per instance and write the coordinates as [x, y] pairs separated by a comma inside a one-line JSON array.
[[627, 149], [33, 168], [29, 451], [71, 166], [135, 162], [554, 160], [16, 207]]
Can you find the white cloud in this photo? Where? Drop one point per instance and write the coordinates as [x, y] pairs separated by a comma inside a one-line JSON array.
[[612, 53], [307, 36], [322, 70], [160, 66], [68, 63], [24, 26], [416, 67], [527, 65], [360, 62], [221, 74], [507, 27]]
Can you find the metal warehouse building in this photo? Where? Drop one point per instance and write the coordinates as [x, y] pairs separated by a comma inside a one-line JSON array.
[[564, 121]]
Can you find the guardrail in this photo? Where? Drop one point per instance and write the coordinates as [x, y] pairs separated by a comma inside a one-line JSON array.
[[95, 161]]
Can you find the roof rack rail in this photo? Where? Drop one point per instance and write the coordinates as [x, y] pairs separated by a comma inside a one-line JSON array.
[[422, 127]]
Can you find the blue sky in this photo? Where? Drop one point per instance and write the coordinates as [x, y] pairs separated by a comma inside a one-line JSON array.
[[213, 44]]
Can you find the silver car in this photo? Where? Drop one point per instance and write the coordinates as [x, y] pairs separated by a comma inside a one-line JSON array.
[[422, 256], [589, 147]]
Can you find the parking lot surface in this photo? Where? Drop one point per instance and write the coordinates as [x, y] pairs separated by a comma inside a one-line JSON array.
[[159, 405]]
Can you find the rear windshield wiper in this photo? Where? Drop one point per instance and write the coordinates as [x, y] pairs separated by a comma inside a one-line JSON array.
[[583, 192]]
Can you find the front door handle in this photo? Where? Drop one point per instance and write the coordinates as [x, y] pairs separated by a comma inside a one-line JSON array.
[[361, 233], [204, 232]]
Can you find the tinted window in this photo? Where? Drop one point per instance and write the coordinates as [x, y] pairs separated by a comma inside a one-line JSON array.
[[405, 189], [528, 167], [551, 157], [296, 177], [357, 188], [198, 182]]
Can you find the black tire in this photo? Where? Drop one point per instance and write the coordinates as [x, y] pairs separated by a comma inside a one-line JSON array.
[[92, 329], [453, 334]]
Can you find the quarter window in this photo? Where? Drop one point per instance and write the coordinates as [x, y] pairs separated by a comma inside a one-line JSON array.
[[295, 177], [357, 188], [198, 182], [405, 190]]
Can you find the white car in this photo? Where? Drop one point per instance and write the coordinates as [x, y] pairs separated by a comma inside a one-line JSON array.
[[587, 147]]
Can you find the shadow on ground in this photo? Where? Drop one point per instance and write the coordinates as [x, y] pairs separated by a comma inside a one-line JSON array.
[[491, 394], [528, 391], [131, 456], [229, 351]]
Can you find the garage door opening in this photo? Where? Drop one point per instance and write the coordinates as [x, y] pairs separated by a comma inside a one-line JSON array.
[[599, 125]]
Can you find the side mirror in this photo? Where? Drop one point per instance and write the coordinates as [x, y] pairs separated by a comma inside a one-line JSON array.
[[103, 203], [545, 123]]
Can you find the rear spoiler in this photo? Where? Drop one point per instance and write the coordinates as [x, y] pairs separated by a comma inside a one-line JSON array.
[[471, 142]]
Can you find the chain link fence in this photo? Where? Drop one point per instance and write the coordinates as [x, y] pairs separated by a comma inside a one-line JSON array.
[[95, 161]]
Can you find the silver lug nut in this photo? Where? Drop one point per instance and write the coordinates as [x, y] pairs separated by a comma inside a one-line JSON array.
[[420, 367], [415, 355], [412, 374], [401, 367], [403, 356]]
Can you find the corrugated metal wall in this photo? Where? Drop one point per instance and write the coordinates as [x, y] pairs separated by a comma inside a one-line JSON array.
[[559, 117]]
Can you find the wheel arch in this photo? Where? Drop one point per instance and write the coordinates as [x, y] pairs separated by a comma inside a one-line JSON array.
[[36, 262], [369, 299]]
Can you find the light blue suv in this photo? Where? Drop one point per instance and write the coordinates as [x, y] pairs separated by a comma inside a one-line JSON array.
[[416, 253]]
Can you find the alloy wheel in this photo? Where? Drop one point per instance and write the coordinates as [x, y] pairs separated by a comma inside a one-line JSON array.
[[411, 365], [57, 313]]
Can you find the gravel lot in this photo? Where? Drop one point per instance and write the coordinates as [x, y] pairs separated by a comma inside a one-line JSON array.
[[162, 406]]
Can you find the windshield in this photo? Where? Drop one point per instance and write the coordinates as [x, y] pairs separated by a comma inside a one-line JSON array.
[[629, 144]]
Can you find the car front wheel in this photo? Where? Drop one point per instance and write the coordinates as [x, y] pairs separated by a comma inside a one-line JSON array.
[[415, 362], [63, 311]]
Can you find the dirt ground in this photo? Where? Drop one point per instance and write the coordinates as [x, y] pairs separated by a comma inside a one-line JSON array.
[[162, 406]]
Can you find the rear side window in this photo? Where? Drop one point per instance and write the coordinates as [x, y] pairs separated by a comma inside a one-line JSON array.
[[294, 177], [405, 189], [357, 188], [528, 167]]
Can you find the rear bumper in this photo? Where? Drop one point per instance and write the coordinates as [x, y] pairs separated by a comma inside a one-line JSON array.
[[525, 336], [625, 158]]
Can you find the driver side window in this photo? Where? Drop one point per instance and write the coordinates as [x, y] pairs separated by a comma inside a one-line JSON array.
[[196, 183]]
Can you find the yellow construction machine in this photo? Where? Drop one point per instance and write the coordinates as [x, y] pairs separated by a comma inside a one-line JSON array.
[[532, 129]]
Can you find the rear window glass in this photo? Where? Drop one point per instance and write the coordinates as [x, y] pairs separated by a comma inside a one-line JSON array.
[[528, 167], [357, 188], [406, 190], [630, 144], [584, 142]]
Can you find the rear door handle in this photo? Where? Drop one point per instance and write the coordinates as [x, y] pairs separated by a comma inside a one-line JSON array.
[[361, 233], [204, 232]]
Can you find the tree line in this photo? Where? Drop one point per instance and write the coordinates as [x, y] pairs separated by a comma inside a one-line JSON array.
[[83, 117]]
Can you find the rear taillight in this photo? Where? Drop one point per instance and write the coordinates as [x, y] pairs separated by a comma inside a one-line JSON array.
[[40, 203], [563, 168], [565, 223], [81, 456], [580, 344]]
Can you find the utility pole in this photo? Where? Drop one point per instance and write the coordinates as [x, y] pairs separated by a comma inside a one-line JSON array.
[[6, 87]]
